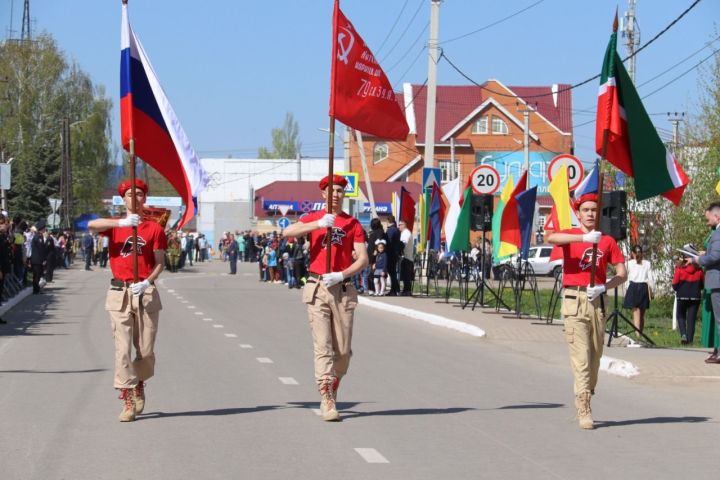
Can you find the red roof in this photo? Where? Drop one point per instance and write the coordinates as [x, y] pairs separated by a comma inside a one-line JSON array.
[[455, 102]]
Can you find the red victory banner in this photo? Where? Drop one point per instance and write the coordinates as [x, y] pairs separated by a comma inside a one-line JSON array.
[[361, 96]]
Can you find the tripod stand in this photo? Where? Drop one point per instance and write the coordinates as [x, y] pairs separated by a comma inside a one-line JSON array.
[[616, 313], [478, 294], [555, 297]]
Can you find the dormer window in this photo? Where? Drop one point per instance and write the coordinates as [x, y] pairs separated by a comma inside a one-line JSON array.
[[499, 127], [481, 125], [380, 152]]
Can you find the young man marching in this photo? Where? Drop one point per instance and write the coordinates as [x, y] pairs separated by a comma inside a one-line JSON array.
[[583, 306], [331, 297], [134, 308]]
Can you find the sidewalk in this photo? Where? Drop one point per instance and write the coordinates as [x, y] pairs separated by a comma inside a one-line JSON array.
[[652, 364]]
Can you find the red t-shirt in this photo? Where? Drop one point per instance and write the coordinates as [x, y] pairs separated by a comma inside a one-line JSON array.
[[346, 232], [577, 260], [151, 237]]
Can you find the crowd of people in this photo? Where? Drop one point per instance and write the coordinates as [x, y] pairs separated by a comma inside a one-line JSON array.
[[285, 260]]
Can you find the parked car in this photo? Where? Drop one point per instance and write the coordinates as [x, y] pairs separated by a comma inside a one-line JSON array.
[[539, 258]]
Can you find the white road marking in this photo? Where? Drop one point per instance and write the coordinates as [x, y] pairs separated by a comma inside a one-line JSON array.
[[288, 380], [245, 345], [191, 307], [264, 360], [184, 301], [199, 313], [207, 319], [316, 411], [370, 455], [171, 291], [218, 326], [231, 335]]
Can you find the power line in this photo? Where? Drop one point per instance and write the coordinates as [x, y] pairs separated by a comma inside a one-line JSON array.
[[404, 31], [397, 19], [707, 45], [682, 74], [412, 45], [579, 84], [492, 24]]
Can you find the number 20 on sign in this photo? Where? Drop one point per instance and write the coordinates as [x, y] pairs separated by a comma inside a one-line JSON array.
[[485, 180]]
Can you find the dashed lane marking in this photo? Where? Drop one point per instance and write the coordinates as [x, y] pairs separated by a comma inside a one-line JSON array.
[[264, 360], [370, 455], [245, 345], [218, 326], [191, 307], [288, 380], [207, 320], [171, 291], [184, 301], [230, 335], [199, 313]]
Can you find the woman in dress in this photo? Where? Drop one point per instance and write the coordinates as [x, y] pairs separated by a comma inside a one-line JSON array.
[[639, 291]]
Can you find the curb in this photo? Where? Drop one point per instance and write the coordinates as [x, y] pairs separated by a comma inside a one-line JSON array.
[[430, 318], [621, 368]]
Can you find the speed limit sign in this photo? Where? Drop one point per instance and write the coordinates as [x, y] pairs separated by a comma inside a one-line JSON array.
[[485, 180], [575, 170]]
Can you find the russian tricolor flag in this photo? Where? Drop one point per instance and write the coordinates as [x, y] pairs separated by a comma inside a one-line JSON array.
[[147, 117]]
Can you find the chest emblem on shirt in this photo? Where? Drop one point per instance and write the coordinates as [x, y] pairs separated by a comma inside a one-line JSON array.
[[336, 236], [586, 260], [127, 249]]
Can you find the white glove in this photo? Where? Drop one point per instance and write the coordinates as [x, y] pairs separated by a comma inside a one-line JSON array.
[[592, 237], [131, 220], [139, 288], [330, 279], [328, 220], [595, 292]]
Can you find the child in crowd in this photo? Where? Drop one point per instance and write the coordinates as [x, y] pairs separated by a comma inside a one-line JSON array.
[[380, 267]]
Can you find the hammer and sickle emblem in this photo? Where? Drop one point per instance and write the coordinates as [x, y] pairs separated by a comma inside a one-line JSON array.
[[345, 49]]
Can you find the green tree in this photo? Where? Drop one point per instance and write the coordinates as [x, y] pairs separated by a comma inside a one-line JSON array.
[[285, 142], [42, 88]]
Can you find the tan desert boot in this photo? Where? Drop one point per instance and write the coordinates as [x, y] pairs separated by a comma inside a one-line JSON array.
[[328, 409], [128, 413], [139, 394], [584, 412]]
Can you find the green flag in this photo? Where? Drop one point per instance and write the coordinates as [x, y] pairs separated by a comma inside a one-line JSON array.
[[461, 239]]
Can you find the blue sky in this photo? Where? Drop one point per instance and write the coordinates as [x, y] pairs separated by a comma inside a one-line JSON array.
[[232, 69]]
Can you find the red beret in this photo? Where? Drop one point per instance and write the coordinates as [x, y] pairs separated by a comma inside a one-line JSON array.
[[337, 180], [125, 185], [588, 197]]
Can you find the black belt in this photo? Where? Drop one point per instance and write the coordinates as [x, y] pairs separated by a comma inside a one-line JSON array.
[[318, 277]]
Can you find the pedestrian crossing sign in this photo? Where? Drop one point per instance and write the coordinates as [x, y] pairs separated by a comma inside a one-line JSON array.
[[352, 187]]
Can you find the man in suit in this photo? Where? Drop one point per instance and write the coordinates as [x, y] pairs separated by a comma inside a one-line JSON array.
[[710, 261], [394, 252], [38, 255]]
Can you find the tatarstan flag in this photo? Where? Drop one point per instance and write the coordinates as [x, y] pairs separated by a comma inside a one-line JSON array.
[[633, 144], [460, 241]]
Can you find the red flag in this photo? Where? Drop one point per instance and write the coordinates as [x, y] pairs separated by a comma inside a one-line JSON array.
[[510, 225], [407, 208], [361, 96]]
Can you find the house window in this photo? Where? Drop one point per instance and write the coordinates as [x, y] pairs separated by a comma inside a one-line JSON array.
[[448, 169], [499, 127], [380, 152], [481, 125]]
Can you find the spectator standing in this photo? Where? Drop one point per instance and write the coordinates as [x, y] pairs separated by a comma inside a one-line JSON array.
[[379, 268], [710, 261], [232, 253], [299, 257], [394, 251], [38, 255], [407, 261], [376, 233], [173, 251], [189, 248], [5, 253], [50, 256], [241, 247], [687, 283], [88, 244], [105, 243], [639, 290]]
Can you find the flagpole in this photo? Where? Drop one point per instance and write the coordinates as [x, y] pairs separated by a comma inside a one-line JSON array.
[[329, 208], [598, 213]]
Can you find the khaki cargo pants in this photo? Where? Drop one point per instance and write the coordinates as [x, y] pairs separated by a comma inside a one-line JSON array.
[[330, 311], [585, 336], [132, 329]]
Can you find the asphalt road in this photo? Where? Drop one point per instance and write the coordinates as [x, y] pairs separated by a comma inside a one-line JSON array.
[[234, 397]]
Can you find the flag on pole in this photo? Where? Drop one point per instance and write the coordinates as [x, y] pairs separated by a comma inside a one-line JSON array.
[[501, 249], [560, 194], [589, 184], [633, 144], [407, 209], [510, 226], [526, 214], [436, 217], [451, 191], [422, 220], [361, 96], [147, 117], [460, 241]]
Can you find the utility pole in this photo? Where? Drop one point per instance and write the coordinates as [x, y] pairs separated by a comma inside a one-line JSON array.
[[631, 33], [433, 59], [64, 163], [675, 118], [25, 32]]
